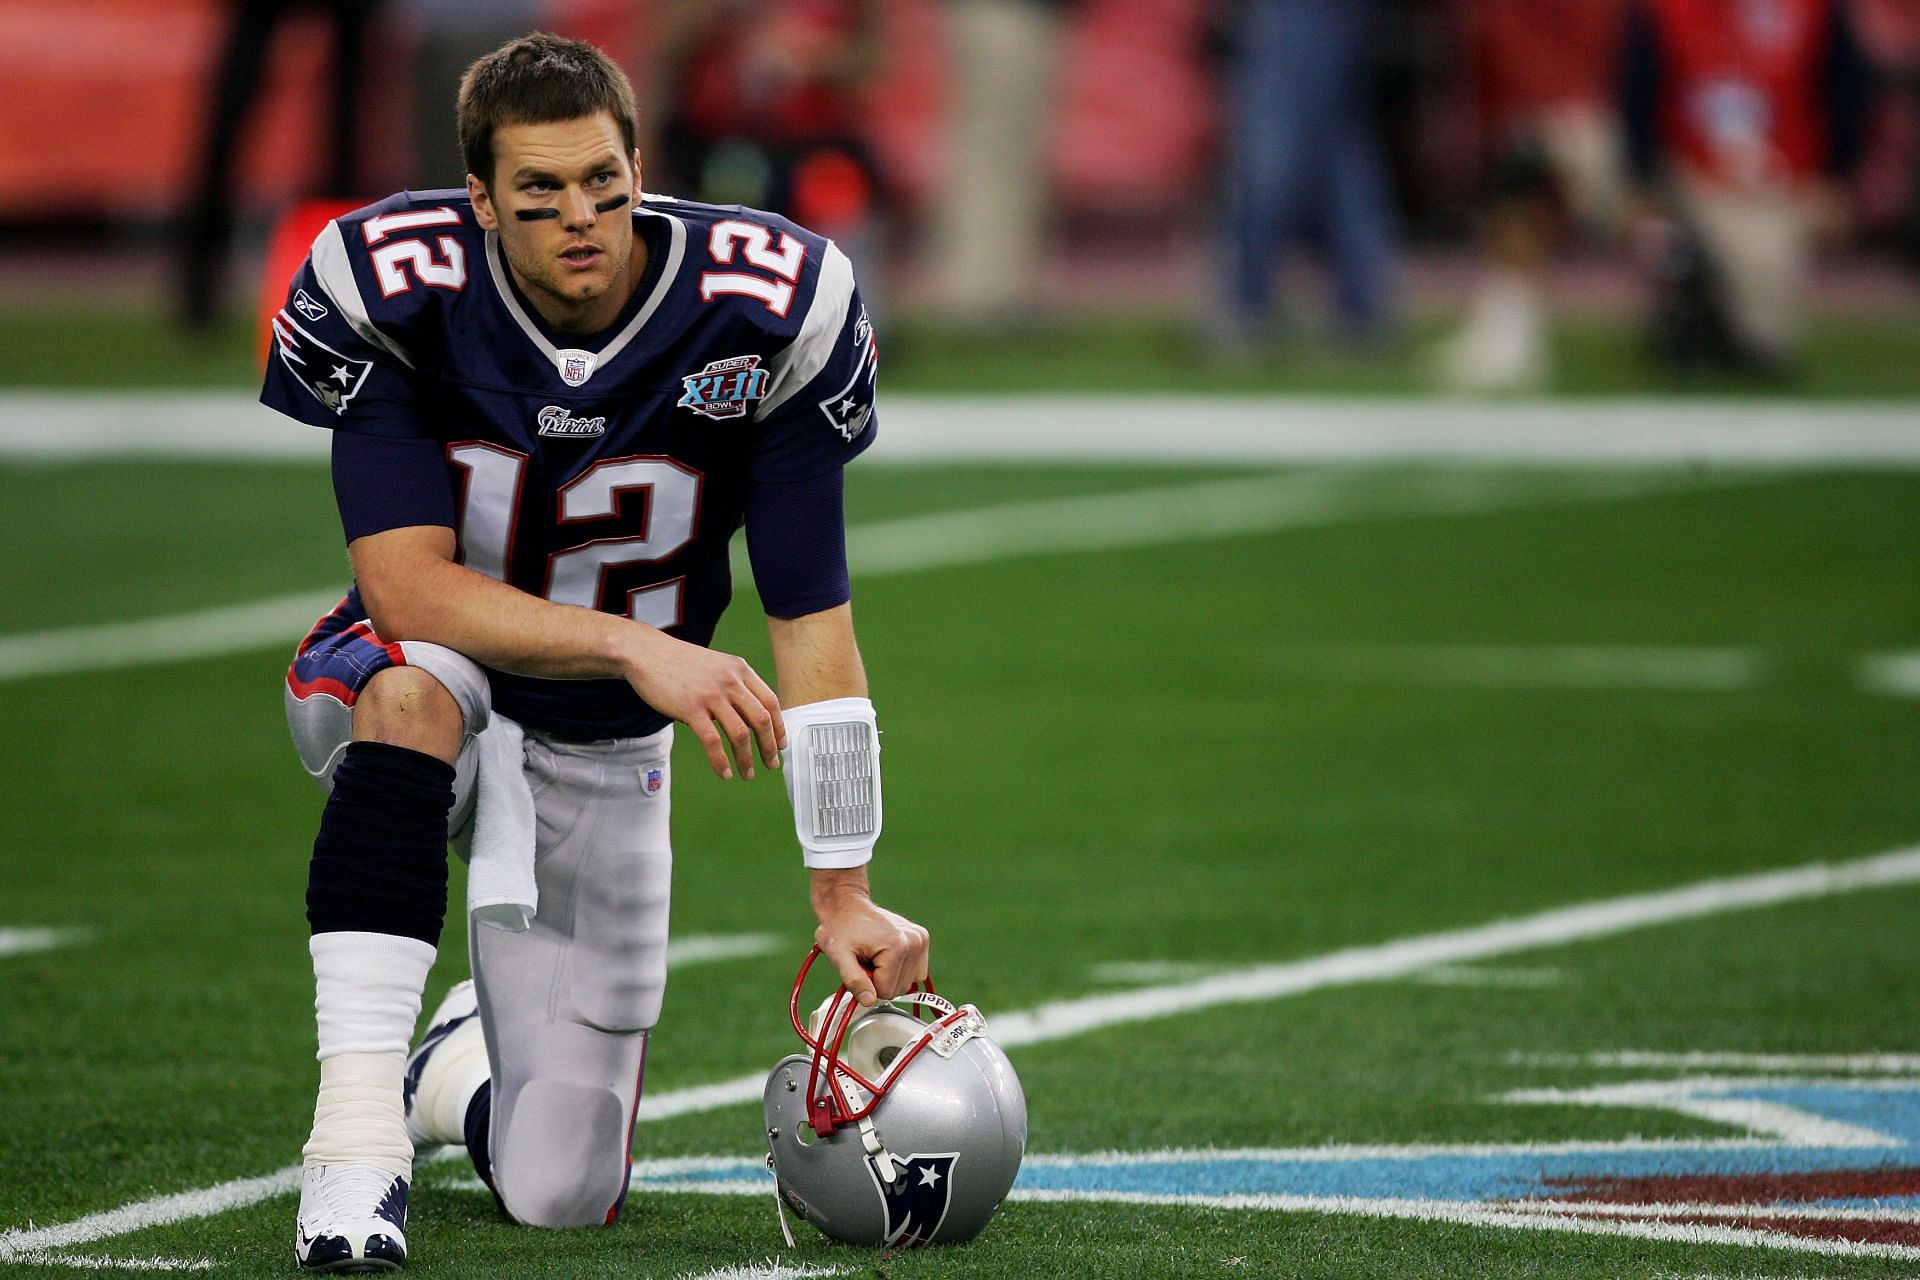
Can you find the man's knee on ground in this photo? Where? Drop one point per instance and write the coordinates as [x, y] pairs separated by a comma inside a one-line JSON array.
[[407, 707], [563, 1160]]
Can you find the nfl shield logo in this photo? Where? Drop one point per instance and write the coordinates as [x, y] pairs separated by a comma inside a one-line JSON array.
[[652, 780], [575, 366]]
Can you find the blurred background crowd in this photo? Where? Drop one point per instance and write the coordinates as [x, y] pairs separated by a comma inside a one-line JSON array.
[[1439, 179]]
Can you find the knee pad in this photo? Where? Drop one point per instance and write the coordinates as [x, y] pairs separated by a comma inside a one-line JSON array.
[[562, 1159]]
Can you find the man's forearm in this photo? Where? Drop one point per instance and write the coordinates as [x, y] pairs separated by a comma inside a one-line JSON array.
[[424, 597], [830, 888]]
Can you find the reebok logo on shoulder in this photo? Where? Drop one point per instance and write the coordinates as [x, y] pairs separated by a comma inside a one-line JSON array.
[[303, 303]]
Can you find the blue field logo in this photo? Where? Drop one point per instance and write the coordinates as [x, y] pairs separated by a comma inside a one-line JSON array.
[[1826, 1165]]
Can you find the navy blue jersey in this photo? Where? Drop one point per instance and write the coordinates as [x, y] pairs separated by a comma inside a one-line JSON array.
[[607, 472]]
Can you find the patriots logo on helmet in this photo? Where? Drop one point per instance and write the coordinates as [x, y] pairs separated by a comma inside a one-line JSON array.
[[334, 379], [917, 1198]]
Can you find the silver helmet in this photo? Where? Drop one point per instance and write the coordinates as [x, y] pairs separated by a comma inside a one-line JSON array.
[[902, 1125]]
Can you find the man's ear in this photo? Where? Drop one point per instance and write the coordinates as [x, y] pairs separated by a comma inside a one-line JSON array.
[[637, 188], [483, 210]]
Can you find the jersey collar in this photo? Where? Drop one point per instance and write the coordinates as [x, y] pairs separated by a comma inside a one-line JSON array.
[[576, 366]]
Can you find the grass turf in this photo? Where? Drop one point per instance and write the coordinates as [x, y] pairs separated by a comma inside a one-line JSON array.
[[57, 347], [1090, 759]]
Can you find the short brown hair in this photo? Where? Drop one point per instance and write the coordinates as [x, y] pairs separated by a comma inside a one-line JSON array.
[[537, 79]]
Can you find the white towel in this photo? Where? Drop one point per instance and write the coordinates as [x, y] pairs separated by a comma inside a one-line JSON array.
[[500, 884]]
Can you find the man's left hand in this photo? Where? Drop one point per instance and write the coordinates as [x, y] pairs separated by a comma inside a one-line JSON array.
[[879, 953]]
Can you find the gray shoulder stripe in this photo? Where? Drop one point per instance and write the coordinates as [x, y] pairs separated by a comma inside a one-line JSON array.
[[335, 273], [808, 353]]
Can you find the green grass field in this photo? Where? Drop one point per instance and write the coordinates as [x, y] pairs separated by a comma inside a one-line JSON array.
[[1847, 356], [1106, 773]]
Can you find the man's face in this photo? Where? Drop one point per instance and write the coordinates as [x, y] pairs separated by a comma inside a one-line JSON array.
[[572, 261]]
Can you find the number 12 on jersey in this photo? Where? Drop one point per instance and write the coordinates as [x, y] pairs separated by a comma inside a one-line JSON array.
[[578, 574]]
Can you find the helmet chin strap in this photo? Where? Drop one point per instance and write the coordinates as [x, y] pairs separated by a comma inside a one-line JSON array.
[[780, 1205], [883, 1160]]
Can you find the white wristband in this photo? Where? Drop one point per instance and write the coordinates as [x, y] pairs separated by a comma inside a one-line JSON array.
[[832, 763]]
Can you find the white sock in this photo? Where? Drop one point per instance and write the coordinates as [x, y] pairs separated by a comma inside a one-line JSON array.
[[366, 1000]]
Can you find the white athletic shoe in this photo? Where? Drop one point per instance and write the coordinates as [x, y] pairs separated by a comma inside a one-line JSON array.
[[353, 1218], [443, 1070]]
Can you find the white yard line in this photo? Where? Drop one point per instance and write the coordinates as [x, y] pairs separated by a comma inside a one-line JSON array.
[[1905, 1064], [710, 948], [1709, 670], [1475, 976], [1149, 517], [1145, 429], [1708, 1098], [1061, 1019], [1897, 675], [25, 940], [204, 633], [771, 1269], [1478, 1214]]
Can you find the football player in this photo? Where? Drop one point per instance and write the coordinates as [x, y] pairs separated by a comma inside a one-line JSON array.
[[553, 400]]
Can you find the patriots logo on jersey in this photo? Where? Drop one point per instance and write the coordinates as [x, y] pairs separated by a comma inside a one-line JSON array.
[[917, 1198], [333, 379], [851, 408]]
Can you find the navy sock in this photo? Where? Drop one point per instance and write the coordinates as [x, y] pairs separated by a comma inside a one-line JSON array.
[[479, 1127], [380, 860]]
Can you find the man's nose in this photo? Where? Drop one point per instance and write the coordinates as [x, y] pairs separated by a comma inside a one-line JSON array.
[[577, 209]]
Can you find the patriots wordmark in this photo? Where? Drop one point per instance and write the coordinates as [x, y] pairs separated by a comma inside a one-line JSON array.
[[558, 420]]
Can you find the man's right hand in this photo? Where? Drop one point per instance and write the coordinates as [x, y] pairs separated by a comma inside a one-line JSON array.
[[717, 695]]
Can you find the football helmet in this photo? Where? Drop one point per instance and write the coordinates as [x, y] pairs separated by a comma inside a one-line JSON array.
[[902, 1124]]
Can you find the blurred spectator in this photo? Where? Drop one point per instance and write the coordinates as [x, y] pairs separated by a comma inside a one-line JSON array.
[[206, 235], [448, 36], [990, 227], [1545, 76], [761, 102], [1744, 120], [1303, 158]]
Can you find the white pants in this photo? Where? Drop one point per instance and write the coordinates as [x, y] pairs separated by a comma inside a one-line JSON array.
[[566, 1005]]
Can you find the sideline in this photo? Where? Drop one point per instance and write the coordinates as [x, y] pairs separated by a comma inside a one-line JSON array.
[[1062, 1019], [1145, 429]]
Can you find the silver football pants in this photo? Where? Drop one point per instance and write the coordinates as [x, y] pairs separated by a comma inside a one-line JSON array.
[[566, 1005]]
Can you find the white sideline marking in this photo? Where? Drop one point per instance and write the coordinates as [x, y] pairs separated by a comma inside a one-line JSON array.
[[1135, 971], [88, 1262], [25, 940], [204, 633], [1719, 670], [1477, 1214], [1144, 971], [1896, 675], [1636, 1221], [1147, 429], [1149, 517], [1226, 508], [707, 948], [1064, 1018], [1470, 976], [1701, 1098], [771, 1269], [1639, 1060]]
